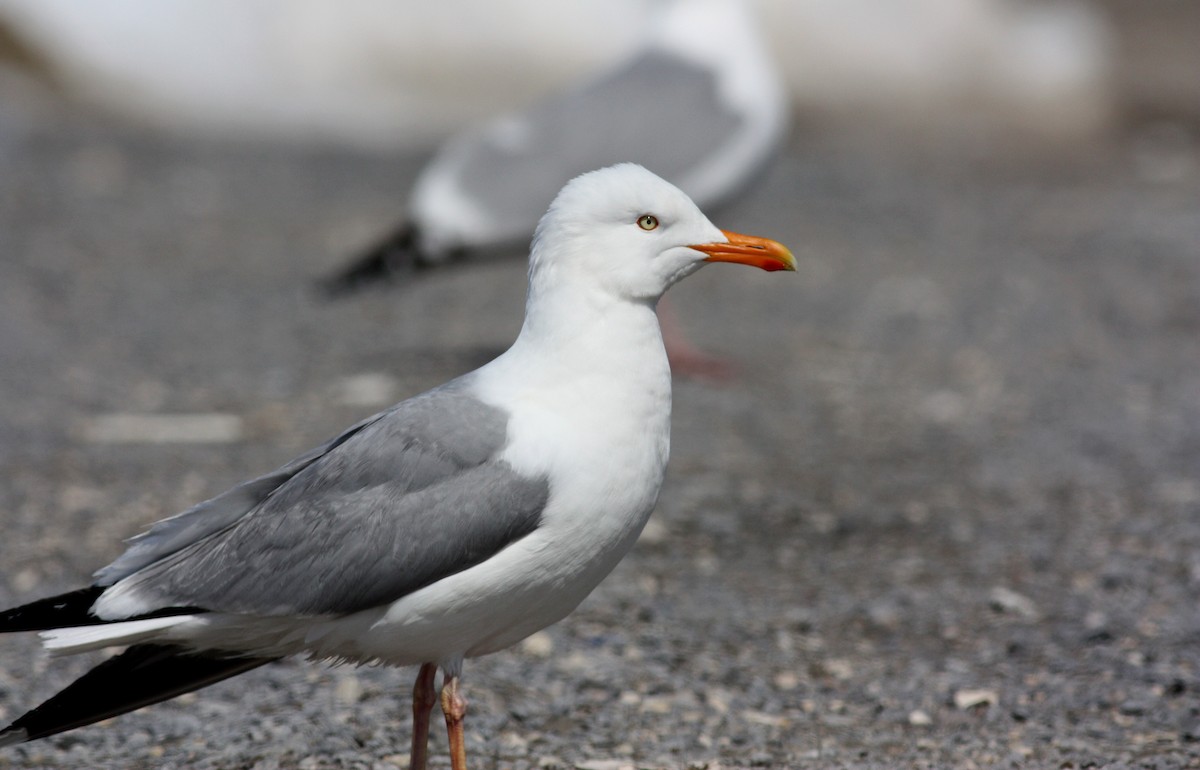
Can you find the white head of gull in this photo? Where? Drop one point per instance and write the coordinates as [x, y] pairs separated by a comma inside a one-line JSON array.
[[453, 524]]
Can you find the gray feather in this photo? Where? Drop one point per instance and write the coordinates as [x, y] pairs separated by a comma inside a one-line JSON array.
[[409, 497], [203, 519], [660, 111]]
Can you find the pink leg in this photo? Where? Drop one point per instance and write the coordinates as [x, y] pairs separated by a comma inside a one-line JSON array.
[[424, 697], [455, 708]]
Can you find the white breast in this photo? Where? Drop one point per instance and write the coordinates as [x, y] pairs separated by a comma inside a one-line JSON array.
[[600, 432]]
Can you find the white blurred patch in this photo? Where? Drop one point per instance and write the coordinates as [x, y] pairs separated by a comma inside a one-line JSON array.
[[370, 389], [199, 428], [390, 74]]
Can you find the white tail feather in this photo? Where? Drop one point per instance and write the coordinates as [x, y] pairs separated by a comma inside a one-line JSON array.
[[69, 641]]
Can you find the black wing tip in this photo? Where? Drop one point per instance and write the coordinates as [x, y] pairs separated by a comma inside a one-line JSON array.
[[61, 611], [142, 675], [71, 610], [11, 736], [395, 254]]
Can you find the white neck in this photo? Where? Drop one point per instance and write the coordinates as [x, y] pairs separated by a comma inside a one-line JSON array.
[[580, 333], [589, 358]]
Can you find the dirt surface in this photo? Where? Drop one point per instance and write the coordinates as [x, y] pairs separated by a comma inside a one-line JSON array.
[[946, 515]]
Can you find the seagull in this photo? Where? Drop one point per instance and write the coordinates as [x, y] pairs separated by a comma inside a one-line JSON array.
[[452, 525], [699, 102]]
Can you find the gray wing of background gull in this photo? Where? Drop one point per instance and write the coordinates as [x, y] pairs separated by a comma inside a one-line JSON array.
[[699, 103], [396, 503]]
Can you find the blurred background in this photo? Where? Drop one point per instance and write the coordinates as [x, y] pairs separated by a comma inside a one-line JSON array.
[[400, 75], [943, 512]]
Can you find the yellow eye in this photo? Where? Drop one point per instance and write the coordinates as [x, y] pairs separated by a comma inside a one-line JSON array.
[[647, 221]]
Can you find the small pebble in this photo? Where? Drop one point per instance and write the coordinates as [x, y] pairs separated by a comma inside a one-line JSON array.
[[1006, 600], [839, 668], [538, 645], [604, 764], [786, 680], [763, 718], [349, 689], [654, 533], [514, 743], [965, 699], [657, 704], [1133, 708], [918, 718]]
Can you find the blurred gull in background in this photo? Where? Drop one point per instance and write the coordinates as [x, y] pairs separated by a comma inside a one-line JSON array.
[[699, 103], [403, 74], [687, 88]]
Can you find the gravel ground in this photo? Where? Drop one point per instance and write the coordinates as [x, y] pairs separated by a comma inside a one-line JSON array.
[[947, 515]]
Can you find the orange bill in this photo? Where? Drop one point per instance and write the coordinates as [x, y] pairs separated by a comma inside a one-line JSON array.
[[762, 253]]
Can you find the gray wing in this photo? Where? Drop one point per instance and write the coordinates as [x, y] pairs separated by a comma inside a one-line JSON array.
[[700, 104], [201, 520], [657, 110], [408, 498]]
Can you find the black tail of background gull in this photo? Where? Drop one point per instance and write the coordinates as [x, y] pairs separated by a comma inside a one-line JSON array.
[[399, 254], [141, 675], [395, 254]]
